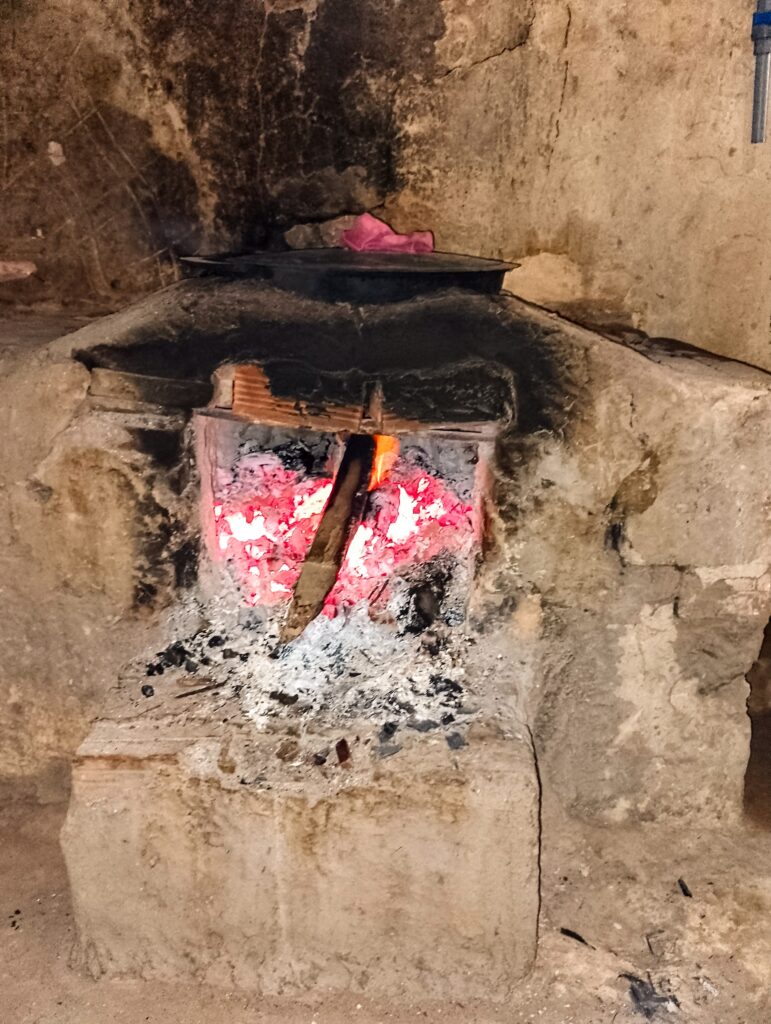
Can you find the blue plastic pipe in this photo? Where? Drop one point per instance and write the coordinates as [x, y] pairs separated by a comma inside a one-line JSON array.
[[761, 38]]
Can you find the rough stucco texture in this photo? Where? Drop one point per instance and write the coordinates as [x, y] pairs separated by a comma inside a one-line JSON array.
[[605, 146]]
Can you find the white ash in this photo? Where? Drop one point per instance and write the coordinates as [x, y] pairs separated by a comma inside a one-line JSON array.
[[345, 668]]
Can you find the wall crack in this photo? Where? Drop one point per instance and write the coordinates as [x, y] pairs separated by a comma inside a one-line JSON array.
[[539, 836], [522, 40]]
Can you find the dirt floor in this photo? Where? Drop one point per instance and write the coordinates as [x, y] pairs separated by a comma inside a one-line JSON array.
[[625, 945]]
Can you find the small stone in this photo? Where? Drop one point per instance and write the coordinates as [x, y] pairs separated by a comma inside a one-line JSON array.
[[55, 153], [324, 235], [431, 644], [455, 741], [388, 730], [148, 691], [343, 751], [287, 749]]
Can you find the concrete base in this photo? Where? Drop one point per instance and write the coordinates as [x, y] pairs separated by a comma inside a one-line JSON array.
[[212, 856]]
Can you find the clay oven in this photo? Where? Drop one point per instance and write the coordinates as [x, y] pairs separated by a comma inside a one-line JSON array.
[[335, 506]]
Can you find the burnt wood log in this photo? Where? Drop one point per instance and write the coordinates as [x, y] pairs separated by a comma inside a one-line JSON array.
[[341, 516]]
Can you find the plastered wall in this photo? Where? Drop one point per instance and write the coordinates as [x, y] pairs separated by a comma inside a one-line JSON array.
[[605, 146]]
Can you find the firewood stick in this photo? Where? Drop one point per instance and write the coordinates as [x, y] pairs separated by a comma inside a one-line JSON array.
[[340, 518]]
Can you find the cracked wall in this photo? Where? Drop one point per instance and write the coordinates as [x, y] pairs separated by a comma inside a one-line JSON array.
[[607, 149], [599, 145]]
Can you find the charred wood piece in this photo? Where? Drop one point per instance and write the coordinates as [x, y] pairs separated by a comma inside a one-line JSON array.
[[341, 516]]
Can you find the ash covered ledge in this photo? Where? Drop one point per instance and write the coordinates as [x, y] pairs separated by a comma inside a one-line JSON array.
[[622, 537]]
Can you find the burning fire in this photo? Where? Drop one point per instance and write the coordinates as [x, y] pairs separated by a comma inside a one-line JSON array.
[[386, 454], [266, 536], [411, 517]]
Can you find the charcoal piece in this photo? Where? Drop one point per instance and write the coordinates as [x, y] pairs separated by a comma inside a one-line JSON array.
[[342, 514], [455, 741], [320, 757], [646, 1000], [216, 641], [447, 690], [388, 730], [387, 749], [425, 604], [448, 719], [424, 725], [287, 699], [441, 684], [191, 666], [227, 653], [343, 751], [684, 887], [148, 691], [175, 654], [570, 934], [297, 456]]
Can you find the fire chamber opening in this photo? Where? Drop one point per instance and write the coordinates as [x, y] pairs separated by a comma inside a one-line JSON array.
[[272, 487]]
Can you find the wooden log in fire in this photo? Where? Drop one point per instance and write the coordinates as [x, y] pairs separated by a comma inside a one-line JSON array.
[[341, 516]]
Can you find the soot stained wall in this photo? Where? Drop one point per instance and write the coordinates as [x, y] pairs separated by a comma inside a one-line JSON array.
[[153, 127], [598, 144]]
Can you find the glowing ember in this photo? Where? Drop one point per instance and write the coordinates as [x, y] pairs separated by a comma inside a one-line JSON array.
[[266, 537], [411, 517]]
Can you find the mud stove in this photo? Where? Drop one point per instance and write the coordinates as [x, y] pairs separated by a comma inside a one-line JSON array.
[[319, 779]]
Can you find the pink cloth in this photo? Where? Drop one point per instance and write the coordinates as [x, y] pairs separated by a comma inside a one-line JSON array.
[[369, 234]]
